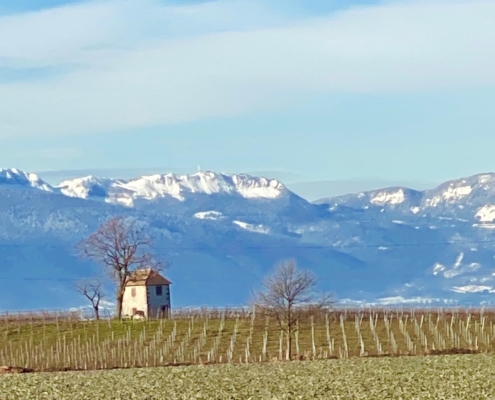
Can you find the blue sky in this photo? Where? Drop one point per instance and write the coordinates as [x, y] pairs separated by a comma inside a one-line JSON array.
[[379, 92]]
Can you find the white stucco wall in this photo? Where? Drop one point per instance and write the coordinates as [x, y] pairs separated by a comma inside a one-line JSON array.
[[139, 302], [156, 302]]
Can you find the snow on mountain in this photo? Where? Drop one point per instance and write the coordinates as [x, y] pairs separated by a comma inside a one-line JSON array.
[[86, 187], [457, 269], [452, 248], [175, 186], [474, 191], [229, 230], [394, 197], [211, 215], [252, 227], [451, 193], [19, 178], [470, 198], [486, 213], [388, 197], [179, 186]]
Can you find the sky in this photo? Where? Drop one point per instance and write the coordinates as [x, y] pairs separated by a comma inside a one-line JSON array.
[[323, 94]]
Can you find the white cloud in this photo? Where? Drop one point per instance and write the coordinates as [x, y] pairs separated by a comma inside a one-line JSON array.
[[140, 64]]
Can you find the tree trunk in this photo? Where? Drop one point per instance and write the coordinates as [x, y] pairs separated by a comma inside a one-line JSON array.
[[120, 300], [289, 332], [120, 295], [97, 312], [288, 353]]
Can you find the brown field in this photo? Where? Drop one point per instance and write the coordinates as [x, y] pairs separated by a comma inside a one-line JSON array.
[[63, 341]]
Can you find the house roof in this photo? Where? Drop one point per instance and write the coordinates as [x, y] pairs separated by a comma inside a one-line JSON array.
[[146, 277]]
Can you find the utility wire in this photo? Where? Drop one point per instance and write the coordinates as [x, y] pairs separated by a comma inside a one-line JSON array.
[[261, 247], [258, 247]]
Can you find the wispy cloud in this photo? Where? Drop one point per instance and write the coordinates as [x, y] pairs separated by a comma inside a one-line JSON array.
[[141, 64]]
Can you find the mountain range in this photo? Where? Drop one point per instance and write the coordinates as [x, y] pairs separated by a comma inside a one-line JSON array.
[[222, 233]]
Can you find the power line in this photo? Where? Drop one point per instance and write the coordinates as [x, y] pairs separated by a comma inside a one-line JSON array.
[[254, 247], [262, 247]]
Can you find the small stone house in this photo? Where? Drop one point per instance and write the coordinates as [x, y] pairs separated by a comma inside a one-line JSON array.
[[147, 294]]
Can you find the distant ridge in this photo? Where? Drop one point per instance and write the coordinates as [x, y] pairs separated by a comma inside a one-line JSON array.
[[223, 232]]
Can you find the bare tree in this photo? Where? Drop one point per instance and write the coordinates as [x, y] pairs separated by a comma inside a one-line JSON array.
[[120, 247], [93, 291], [287, 295]]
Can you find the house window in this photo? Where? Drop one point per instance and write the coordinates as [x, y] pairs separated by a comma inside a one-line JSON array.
[[158, 290], [133, 292]]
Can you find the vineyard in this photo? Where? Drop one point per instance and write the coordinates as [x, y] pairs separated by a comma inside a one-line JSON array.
[[63, 341]]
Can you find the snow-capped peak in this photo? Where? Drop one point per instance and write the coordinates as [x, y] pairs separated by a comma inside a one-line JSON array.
[[475, 189], [85, 187], [390, 196], [177, 186], [13, 176], [451, 192]]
